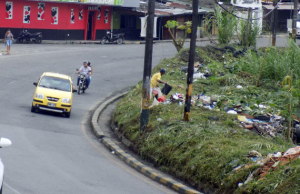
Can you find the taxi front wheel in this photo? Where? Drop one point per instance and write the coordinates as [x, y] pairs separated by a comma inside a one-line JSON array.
[[32, 108], [68, 114]]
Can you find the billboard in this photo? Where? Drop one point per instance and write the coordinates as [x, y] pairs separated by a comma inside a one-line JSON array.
[[123, 3]]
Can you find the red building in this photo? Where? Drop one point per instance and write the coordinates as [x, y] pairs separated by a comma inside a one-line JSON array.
[[60, 19]]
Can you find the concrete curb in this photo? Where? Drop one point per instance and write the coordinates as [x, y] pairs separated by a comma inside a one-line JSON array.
[[131, 161], [96, 128]]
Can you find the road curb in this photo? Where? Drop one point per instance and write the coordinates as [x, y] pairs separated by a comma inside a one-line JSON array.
[[96, 128], [131, 161], [98, 41]]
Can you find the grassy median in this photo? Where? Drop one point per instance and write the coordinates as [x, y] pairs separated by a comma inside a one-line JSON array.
[[211, 151]]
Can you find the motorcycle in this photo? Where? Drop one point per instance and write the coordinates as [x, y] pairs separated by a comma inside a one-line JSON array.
[[118, 38], [25, 35], [82, 83]]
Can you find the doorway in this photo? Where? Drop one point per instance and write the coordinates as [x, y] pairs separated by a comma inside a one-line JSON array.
[[90, 26]]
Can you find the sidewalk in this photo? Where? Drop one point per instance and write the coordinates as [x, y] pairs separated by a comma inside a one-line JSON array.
[[98, 41], [125, 42], [215, 38]]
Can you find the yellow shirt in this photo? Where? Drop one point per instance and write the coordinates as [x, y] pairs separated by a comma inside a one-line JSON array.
[[154, 79]]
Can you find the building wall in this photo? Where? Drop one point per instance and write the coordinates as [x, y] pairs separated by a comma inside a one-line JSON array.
[[64, 28], [282, 17], [127, 22]]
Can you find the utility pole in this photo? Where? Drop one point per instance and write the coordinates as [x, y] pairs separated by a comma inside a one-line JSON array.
[[147, 67], [295, 19], [274, 23], [188, 98]]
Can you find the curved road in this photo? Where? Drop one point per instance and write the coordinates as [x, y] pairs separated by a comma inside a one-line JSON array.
[[50, 153]]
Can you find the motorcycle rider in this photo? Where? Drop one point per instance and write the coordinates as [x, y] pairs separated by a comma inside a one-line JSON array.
[[89, 64], [85, 70]]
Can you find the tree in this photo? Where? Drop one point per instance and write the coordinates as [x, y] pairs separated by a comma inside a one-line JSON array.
[[173, 25], [225, 22]]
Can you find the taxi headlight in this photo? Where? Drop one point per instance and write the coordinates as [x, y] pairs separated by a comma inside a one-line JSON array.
[[38, 95], [66, 100]]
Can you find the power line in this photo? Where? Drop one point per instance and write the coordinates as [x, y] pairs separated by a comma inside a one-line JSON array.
[[246, 18]]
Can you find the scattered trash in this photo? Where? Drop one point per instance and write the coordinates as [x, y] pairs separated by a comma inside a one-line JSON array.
[[162, 98], [249, 178], [199, 75], [154, 103], [205, 100], [278, 154], [232, 112], [271, 162], [261, 106], [207, 107], [275, 164], [238, 167], [239, 87], [243, 118], [214, 98], [159, 119], [167, 102], [254, 159], [254, 153], [113, 152], [176, 97], [292, 151]]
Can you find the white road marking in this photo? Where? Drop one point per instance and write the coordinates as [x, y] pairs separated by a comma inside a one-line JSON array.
[[17, 192], [12, 82]]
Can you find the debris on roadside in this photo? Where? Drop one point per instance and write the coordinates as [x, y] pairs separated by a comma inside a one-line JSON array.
[[269, 163]]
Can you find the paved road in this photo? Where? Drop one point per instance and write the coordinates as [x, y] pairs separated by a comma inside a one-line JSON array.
[[53, 154]]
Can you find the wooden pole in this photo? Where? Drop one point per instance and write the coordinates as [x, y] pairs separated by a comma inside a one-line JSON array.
[[274, 23], [144, 119], [295, 20], [248, 27], [187, 107]]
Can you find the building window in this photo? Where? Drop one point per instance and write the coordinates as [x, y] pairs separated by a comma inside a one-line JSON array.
[[128, 21]]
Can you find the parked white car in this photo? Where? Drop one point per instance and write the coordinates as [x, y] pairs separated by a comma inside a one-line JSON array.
[[3, 143]]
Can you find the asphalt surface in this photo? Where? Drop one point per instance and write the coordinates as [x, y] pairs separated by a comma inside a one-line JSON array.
[[53, 154]]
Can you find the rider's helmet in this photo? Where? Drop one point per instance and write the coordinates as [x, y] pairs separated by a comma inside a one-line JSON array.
[[162, 71], [86, 61]]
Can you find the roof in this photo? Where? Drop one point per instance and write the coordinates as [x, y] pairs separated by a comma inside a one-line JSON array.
[[59, 75], [202, 3], [170, 8], [282, 6]]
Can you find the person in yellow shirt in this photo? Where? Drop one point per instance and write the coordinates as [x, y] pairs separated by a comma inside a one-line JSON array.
[[156, 78]]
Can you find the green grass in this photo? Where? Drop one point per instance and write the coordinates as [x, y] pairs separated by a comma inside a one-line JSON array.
[[204, 151]]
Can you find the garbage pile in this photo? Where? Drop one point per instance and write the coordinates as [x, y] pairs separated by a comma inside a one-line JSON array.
[[258, 118], [270, 163]]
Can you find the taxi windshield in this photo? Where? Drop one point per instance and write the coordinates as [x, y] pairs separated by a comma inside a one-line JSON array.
[[55, 83]]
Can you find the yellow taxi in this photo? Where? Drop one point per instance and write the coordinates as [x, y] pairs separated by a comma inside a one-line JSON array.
[[54, 93]]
